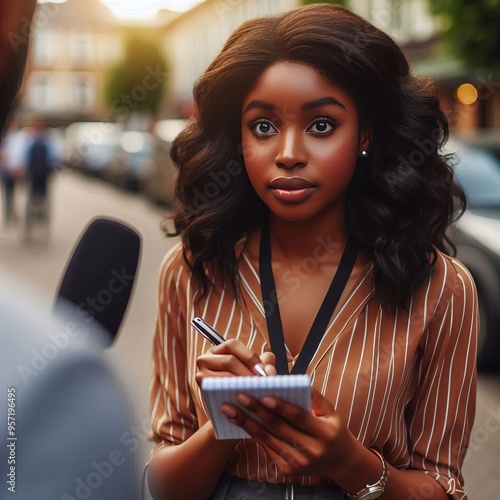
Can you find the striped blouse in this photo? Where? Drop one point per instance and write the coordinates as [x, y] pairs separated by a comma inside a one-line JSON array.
[[403, 381]]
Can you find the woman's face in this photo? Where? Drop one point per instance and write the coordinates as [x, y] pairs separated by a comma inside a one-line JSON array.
[[300, 141]]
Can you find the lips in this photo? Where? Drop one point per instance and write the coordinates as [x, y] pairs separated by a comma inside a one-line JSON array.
[[290, 184], [291, 189]]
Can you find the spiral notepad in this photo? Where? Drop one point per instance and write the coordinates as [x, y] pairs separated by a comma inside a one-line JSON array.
[[219, 390]]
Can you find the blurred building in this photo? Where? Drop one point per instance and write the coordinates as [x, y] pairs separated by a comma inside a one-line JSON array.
[[194, 39], [74, 43], [468, 97]]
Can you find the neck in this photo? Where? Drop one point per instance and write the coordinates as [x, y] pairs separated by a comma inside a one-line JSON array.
[[325, 237]]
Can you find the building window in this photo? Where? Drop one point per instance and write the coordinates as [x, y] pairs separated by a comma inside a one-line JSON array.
[[83, 92], [43, 47], [81, 48], [40, 92]]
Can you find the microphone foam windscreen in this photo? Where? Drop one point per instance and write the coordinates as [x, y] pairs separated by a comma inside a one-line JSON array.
[[100, 274]]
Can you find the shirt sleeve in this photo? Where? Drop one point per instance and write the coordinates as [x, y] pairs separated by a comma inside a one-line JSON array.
[[442, 410], [173, 416]]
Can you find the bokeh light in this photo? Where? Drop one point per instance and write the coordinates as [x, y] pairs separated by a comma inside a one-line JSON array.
[[467, 93]]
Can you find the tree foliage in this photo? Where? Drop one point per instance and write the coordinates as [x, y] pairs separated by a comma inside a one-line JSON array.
[[138, 81], [473, 30]]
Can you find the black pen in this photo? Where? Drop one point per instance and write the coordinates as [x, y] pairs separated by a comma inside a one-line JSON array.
[[215, 338]]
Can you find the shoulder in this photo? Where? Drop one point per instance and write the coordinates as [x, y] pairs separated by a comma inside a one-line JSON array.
[[452, 273], [173, 258], [450, 280], [173, 266]]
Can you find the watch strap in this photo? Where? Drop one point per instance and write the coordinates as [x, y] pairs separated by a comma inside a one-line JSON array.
[[375, 490]]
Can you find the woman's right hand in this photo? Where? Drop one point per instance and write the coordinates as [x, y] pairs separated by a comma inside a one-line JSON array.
[[233, 358]]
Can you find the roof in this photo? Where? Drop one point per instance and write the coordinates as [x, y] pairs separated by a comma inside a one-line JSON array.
[[75, 13]]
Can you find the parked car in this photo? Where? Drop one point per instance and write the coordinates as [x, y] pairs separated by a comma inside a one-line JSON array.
[[92, 146], [477, 237], [160, 185], [134, 160], [488, 139]]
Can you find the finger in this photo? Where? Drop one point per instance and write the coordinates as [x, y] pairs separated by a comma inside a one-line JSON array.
[[200, 375], [324, 426], [215, 362], [270, 370], [289, 456], [258, 429], [276, 423], [240, 351], [320, 405], [269, 361]]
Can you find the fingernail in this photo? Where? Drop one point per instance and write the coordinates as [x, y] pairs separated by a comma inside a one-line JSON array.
[[243, 399], [259, 369], [229, 411], [269, 402]]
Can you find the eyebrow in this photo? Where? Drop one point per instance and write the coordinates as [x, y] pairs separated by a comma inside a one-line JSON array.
[[316, 103], [324, 101]]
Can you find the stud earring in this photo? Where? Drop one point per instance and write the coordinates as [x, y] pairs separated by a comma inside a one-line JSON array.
[[364, 154]]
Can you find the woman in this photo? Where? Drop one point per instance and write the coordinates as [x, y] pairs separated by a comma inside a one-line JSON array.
[[313, 146]]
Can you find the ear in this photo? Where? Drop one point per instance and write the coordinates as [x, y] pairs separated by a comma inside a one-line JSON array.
[[365, 139]]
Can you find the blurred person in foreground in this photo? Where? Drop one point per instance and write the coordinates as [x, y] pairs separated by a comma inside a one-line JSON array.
[[64, 414]]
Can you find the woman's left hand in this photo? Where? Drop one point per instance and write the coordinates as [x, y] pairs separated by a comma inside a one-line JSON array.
[[297, 441]]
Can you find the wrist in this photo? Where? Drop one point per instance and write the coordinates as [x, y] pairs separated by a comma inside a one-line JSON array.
[[375, 490], [360, 467]]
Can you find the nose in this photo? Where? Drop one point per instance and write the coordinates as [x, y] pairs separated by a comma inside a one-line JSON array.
[[291, 150]]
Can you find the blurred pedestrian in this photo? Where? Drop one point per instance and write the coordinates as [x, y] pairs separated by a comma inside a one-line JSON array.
[[315, 244], [41, 159], [12, 169]]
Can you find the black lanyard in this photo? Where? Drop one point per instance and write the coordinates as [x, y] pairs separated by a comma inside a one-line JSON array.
[[325, 312]]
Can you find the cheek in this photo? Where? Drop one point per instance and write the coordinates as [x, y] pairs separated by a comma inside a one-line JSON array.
[[340, 154], [253, 168], [255, 157]]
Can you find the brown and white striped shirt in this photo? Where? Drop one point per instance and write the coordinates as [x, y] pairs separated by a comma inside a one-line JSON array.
[[404, 382]]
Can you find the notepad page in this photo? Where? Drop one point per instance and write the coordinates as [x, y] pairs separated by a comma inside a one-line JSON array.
[[219, 390]]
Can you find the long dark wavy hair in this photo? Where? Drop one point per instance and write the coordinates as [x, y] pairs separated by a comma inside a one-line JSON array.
[[403, 196]]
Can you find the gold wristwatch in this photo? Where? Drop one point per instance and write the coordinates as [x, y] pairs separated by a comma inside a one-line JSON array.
[[372, 491]]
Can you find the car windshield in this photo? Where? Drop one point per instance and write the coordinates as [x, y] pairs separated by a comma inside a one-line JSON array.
[[478, 172]]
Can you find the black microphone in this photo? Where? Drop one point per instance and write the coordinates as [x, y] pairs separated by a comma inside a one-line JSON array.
[[99, 278]]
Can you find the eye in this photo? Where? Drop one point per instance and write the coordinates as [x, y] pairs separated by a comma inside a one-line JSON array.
[[322, 126], [263, 128]]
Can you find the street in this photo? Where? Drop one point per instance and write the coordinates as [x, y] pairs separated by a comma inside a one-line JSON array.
[[75, 201]]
